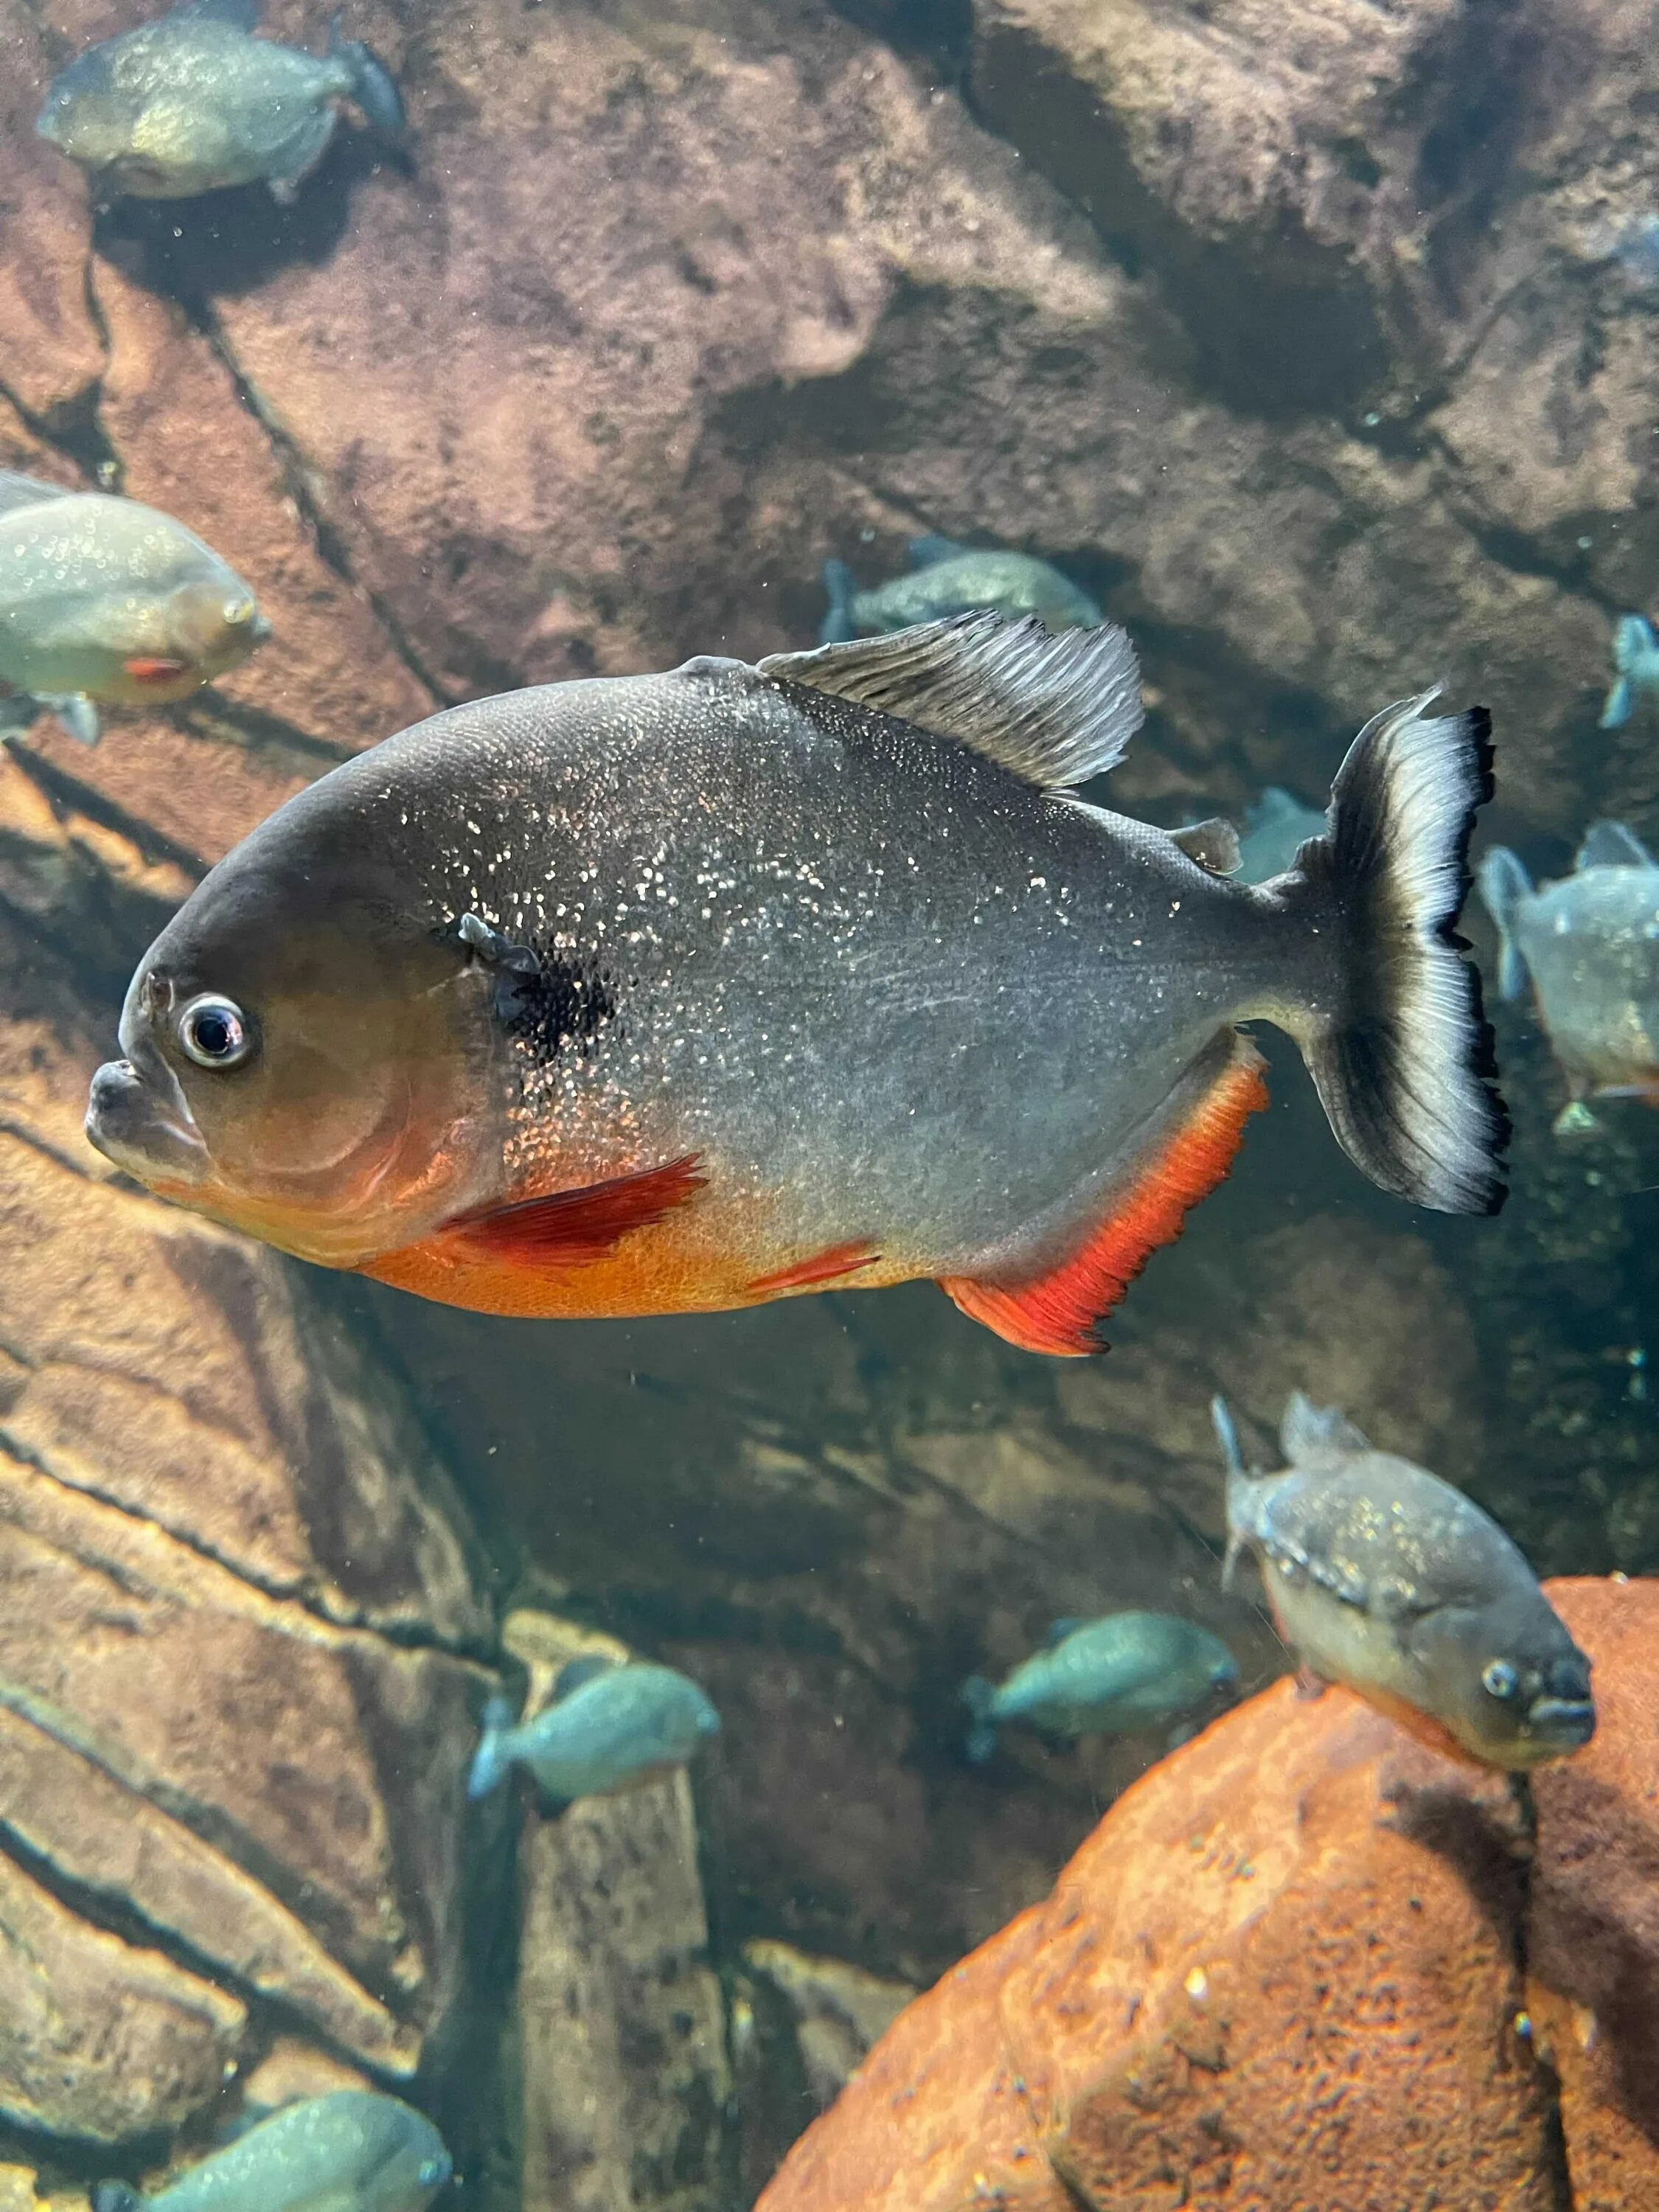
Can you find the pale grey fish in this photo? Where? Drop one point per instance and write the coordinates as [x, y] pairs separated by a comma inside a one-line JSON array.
[[1110, 1677], [1636, 670], [946, 579], [607, 1728], [351, 2151], [194, 101], [1276, 828], [674, 992], [1589, 944], [102, 599], [1383, 1578]]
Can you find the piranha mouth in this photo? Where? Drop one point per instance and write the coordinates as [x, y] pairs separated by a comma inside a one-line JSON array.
[[1567, 1721], [142, 1122]]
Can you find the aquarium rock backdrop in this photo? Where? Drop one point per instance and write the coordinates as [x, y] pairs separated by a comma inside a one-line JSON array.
[[1308, 339]]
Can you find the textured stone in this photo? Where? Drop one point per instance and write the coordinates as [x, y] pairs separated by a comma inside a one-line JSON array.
[[101, 2039], [839, 2010], [52, 356], [211, 1514], [1268, 1978], [1592, 1922], [620, 2028]]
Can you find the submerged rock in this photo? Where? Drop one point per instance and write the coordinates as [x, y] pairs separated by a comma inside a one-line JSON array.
[[1285, 1969]]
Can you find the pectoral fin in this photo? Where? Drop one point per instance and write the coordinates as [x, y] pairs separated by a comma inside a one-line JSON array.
[[570, 1228]]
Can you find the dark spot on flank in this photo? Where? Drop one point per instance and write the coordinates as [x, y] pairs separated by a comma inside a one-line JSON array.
[[562, 1007]]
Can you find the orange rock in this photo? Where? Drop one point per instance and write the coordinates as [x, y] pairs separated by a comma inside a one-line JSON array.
[[1284, 1971], [1593, 1923]]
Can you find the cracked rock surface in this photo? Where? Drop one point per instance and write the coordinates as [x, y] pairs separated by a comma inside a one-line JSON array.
[[236, 1608]]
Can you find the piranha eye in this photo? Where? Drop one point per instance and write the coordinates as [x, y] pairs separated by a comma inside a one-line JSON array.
[[215, 1032], [1499, 1678], [238, 613], [431, 2173]]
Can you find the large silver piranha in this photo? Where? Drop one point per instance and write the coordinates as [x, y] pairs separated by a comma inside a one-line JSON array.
[[674, 992]]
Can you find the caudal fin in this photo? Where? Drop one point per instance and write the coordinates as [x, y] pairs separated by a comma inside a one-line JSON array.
[[115, 2196], [1398, 1049], [491, 1760], [1503, 884], [838, 627], [980, 1696], [372, 86]]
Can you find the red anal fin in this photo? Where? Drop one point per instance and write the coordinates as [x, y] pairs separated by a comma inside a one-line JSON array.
[[1059, 1312], [821, 1267], [147, 669], [570, 1227]]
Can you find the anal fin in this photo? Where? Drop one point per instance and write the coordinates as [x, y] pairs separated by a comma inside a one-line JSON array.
[[1059, 1311]]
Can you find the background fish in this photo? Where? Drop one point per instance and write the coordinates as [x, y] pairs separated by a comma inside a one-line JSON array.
[[1591, 944], [1383, 1578], [664, 993], [1106, 1677], [1275, 829], [1635, 666], [351, 2151], [101, 599], [946, 579], [194, 101], [608, 1728]]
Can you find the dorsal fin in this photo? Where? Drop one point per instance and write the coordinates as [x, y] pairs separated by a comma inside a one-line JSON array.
[[928, 552], [1610, 845], [18, 490], [587, 1668], [1055, 710], [1309, 1432], [1212, 843]]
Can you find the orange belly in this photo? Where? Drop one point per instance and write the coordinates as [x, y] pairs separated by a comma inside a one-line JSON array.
[[680, 1264]]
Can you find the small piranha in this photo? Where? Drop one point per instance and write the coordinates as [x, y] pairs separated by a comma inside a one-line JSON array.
[[946, 579], [194, 101], [103, 599], [1636, 667], [1590, 944], [1276, 828], [681, 993], [352, 2150], [1383, 1578], [1110, 1677], [607, 1728]]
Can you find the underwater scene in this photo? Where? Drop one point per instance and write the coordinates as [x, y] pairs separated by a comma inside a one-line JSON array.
[[829, 1029]]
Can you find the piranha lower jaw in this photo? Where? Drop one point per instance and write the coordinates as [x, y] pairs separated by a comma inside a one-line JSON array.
[[146, 1127]]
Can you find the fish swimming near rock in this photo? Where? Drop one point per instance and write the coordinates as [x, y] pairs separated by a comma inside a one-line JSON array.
[[607, 1728], [669, 993], [349, 2151], [1636, 670], [946, 579], [1590, 944], [1383, 1578], [194, 101], [1110, 1677], [102, 599], [1275, 829]]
